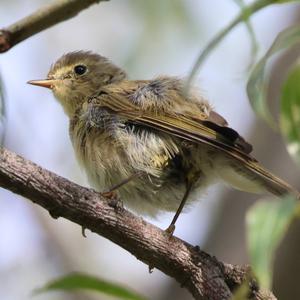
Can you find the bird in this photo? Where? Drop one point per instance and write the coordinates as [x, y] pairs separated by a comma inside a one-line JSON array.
[[157, 145]]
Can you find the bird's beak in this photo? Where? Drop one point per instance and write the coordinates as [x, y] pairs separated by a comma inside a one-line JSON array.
[[47, 83]]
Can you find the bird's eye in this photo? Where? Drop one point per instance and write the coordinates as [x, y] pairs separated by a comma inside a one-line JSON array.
[[80, 69]]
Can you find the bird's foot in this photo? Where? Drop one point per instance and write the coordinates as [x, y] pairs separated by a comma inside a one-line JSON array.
[[114, 199], [170, 230], [109, 194]]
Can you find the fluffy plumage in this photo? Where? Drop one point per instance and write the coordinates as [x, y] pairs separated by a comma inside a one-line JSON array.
[[120, 127]]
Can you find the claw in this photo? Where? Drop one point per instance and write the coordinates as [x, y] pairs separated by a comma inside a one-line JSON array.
[[150, 269], [109, 194], [83, 231], [114, 199], [54, 214], [170, 230]]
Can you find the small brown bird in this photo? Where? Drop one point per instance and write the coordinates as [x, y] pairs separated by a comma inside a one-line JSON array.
[[158, 146]]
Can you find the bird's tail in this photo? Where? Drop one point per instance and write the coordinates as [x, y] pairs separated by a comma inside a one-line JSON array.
[[252, 177]]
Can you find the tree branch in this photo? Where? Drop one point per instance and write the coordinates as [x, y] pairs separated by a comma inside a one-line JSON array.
[[203, 275], [45, 17]]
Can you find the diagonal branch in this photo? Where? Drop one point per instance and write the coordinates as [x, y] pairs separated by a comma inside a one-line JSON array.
[[203, 275], [45, 17]]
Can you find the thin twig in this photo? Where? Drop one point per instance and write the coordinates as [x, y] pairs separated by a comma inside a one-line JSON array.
[[204, 276], [245, 13], [43, 18]]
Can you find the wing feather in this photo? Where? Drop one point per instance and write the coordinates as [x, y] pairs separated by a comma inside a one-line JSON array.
[[184, 127], [199, 131]]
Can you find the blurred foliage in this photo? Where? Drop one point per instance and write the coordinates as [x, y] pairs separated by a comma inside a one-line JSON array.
[[78, 281], [267, 222], [160, 21], [290, 112], [242, 292], [257, 83], [254, 44], [245, 14], [157, 14]]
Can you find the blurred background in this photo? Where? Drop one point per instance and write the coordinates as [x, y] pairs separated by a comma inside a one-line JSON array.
[[146, 38]]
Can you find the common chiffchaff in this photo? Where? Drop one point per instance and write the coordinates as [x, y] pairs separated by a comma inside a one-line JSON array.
[[158, 145]]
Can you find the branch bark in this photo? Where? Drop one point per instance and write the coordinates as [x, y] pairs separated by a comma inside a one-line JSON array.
[[45, 17], [203, 275]]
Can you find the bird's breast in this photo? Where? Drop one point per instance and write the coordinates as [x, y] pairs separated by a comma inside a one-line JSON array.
[[99, 153]]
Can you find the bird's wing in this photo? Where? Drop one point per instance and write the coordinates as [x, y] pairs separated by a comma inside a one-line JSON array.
[[193, 128], [197, 130]]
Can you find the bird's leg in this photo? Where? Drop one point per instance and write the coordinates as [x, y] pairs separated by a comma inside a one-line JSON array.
[[120, 184], [170, 230], [111, 194], [192, 177]]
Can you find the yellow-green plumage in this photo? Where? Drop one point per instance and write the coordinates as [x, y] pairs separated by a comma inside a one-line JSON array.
[[120, 127]]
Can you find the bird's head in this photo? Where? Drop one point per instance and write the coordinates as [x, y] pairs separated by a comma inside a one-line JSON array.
[[78, 75]]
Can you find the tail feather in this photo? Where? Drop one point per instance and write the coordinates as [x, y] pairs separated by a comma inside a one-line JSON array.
[[252, 177], [270, 182]]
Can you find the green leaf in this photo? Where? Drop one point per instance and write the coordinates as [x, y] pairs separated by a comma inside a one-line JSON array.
[[267, 222], [286, 1], [257, 83], [78, 281], [290, 112]]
